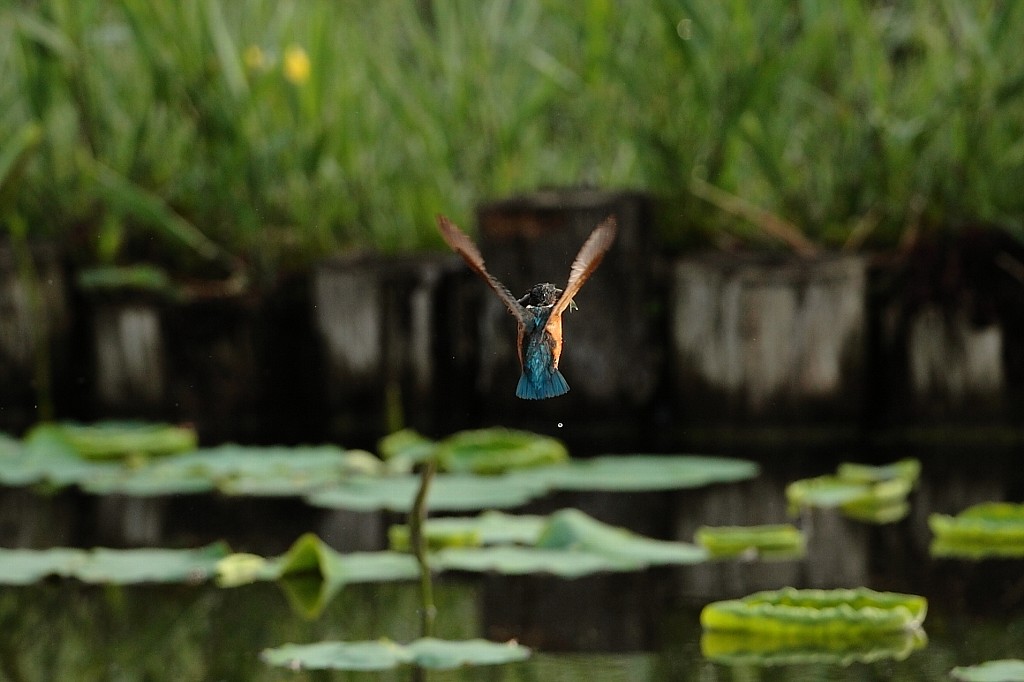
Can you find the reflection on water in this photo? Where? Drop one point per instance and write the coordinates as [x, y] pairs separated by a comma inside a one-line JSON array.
[[641, 626], [68, 631]]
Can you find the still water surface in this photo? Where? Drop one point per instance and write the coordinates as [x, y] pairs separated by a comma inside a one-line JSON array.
[[604, 628], [68, 631]]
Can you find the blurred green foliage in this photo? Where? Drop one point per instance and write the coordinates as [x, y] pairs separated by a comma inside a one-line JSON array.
[[203, 133]]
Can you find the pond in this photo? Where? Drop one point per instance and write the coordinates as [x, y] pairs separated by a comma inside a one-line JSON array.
[[67, 631], [608, 626]]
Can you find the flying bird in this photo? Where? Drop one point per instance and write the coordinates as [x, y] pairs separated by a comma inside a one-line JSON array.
[[539, 312]]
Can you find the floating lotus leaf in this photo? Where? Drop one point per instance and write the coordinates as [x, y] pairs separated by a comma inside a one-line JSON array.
[[311, 573], [232, 469], [515, 560], [878, 512], [754, 649], [1006, 670], [241, 568], [309, 555], [174, 475], [115, 440], [488, 528], [568, 544], [26, 566], [866, 493], [780, 540], [448, 492], [49, 458], [991, 529], [840, 613], [384, 654], [117, 566], [17, 468], [373, 655], [285, 471], [439, 654], [906, 469], [399, 538], [404, 449], [571, 529], [127, 566], [497, 450], [329, 476], [638, 473], [9, 447]]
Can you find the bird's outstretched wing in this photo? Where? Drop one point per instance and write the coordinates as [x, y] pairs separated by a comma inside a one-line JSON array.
[[464, 246], [587, 260]]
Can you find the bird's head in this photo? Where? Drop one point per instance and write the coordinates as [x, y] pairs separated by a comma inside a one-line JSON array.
[[544, 294]]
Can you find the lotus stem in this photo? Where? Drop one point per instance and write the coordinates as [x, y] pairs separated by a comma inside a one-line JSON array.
[[418, 541]]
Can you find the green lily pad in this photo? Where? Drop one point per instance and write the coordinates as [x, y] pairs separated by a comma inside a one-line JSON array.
[[825, 491], [497, 450], [815, 614], [26, 566], [372, 655], [9, 447], [17, 468], [516, 560], [309, 555], [778, 540], [990, 529], [571, 529], [400, 538], [115, 566], [1005, 670], [235, 469], [448, 492], [119, 439], [403, 450], [384, 654], [127, 566], [286, 471], [440, 654], [50, 459], [861, 492], [639, 473], [569, 544], [877, 512], [311, 573], [742, 649], [489, 528], [906, 469]]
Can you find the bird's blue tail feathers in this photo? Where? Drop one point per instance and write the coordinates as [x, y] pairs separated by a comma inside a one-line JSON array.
[[544, 385]]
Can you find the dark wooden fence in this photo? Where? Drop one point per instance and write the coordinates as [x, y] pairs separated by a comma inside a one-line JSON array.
[[660, 348]]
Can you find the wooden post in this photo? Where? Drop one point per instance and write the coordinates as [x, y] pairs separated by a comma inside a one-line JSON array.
[[375, 318], [758, 340]]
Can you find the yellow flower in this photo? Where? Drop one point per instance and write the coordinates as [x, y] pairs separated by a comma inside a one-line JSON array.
[[296, 65], [254, 59]]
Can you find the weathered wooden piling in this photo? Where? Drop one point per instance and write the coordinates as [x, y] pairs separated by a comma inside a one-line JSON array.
[[128, 344], [376, 319], [216, 367], [760, 340], [35, 319], [949, 315]]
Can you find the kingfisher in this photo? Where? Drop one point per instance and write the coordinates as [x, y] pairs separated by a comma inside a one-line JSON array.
[[539, 312]]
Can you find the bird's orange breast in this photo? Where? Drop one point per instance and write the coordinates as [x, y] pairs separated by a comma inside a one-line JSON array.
[[554, 328]]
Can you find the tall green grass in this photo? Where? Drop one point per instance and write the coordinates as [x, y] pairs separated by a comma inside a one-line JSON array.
[[176, 131]]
